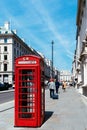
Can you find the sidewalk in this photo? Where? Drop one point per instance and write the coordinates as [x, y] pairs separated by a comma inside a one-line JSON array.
[[69, 112]]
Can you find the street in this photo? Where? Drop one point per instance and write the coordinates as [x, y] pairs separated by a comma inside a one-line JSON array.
[[6, 96]]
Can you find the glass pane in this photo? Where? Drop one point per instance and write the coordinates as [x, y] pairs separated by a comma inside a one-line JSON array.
[[27, 93]]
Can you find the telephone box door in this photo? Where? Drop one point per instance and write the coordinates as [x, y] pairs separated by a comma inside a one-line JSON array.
[[27, 93]]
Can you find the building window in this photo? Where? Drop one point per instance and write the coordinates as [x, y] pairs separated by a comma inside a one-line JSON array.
[[5, 48], [5, 57], [82, 13], [6, 32], [14, 58], [5, 78], [17, 44], [17, 53], [84, 3], [5, 67], [20, 46], [0, 67], [0, 78], [5, 40], [20, 53], [14, 42]]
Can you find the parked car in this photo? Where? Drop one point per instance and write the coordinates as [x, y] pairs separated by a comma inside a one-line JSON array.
[[2, 87], [5, 86]]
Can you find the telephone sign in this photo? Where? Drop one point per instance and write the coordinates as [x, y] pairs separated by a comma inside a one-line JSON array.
[[27, 62]]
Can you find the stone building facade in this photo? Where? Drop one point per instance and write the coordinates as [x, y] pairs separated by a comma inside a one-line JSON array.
[[79, 68], [11, 47]]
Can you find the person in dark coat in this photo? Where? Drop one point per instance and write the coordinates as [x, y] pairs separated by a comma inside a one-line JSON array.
[[57, 84]]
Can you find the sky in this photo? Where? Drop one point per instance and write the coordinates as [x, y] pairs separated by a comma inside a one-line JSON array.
[[39, 22]]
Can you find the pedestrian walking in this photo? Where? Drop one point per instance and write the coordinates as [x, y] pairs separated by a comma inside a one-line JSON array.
[[52, 87], [64, 86], [57, 84]]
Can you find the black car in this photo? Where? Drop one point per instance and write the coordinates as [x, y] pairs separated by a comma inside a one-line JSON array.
[[4, 86]]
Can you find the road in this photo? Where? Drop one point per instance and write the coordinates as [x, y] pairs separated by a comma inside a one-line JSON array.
[[6, 96]]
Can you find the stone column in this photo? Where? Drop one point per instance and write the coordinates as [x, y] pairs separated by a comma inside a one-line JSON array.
[[84, 65], [85, 72]]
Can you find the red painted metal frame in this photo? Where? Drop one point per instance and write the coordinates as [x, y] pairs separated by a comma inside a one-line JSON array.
[[29, 91]]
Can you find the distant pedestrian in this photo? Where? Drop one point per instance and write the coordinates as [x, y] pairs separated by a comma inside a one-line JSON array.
[[52, 87], [57, 84], [64, 86]]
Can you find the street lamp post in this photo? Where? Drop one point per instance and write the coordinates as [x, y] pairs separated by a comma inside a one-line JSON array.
[[52, 57]]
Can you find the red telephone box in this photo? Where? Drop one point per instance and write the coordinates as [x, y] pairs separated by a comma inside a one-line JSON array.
[[29, 91]]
